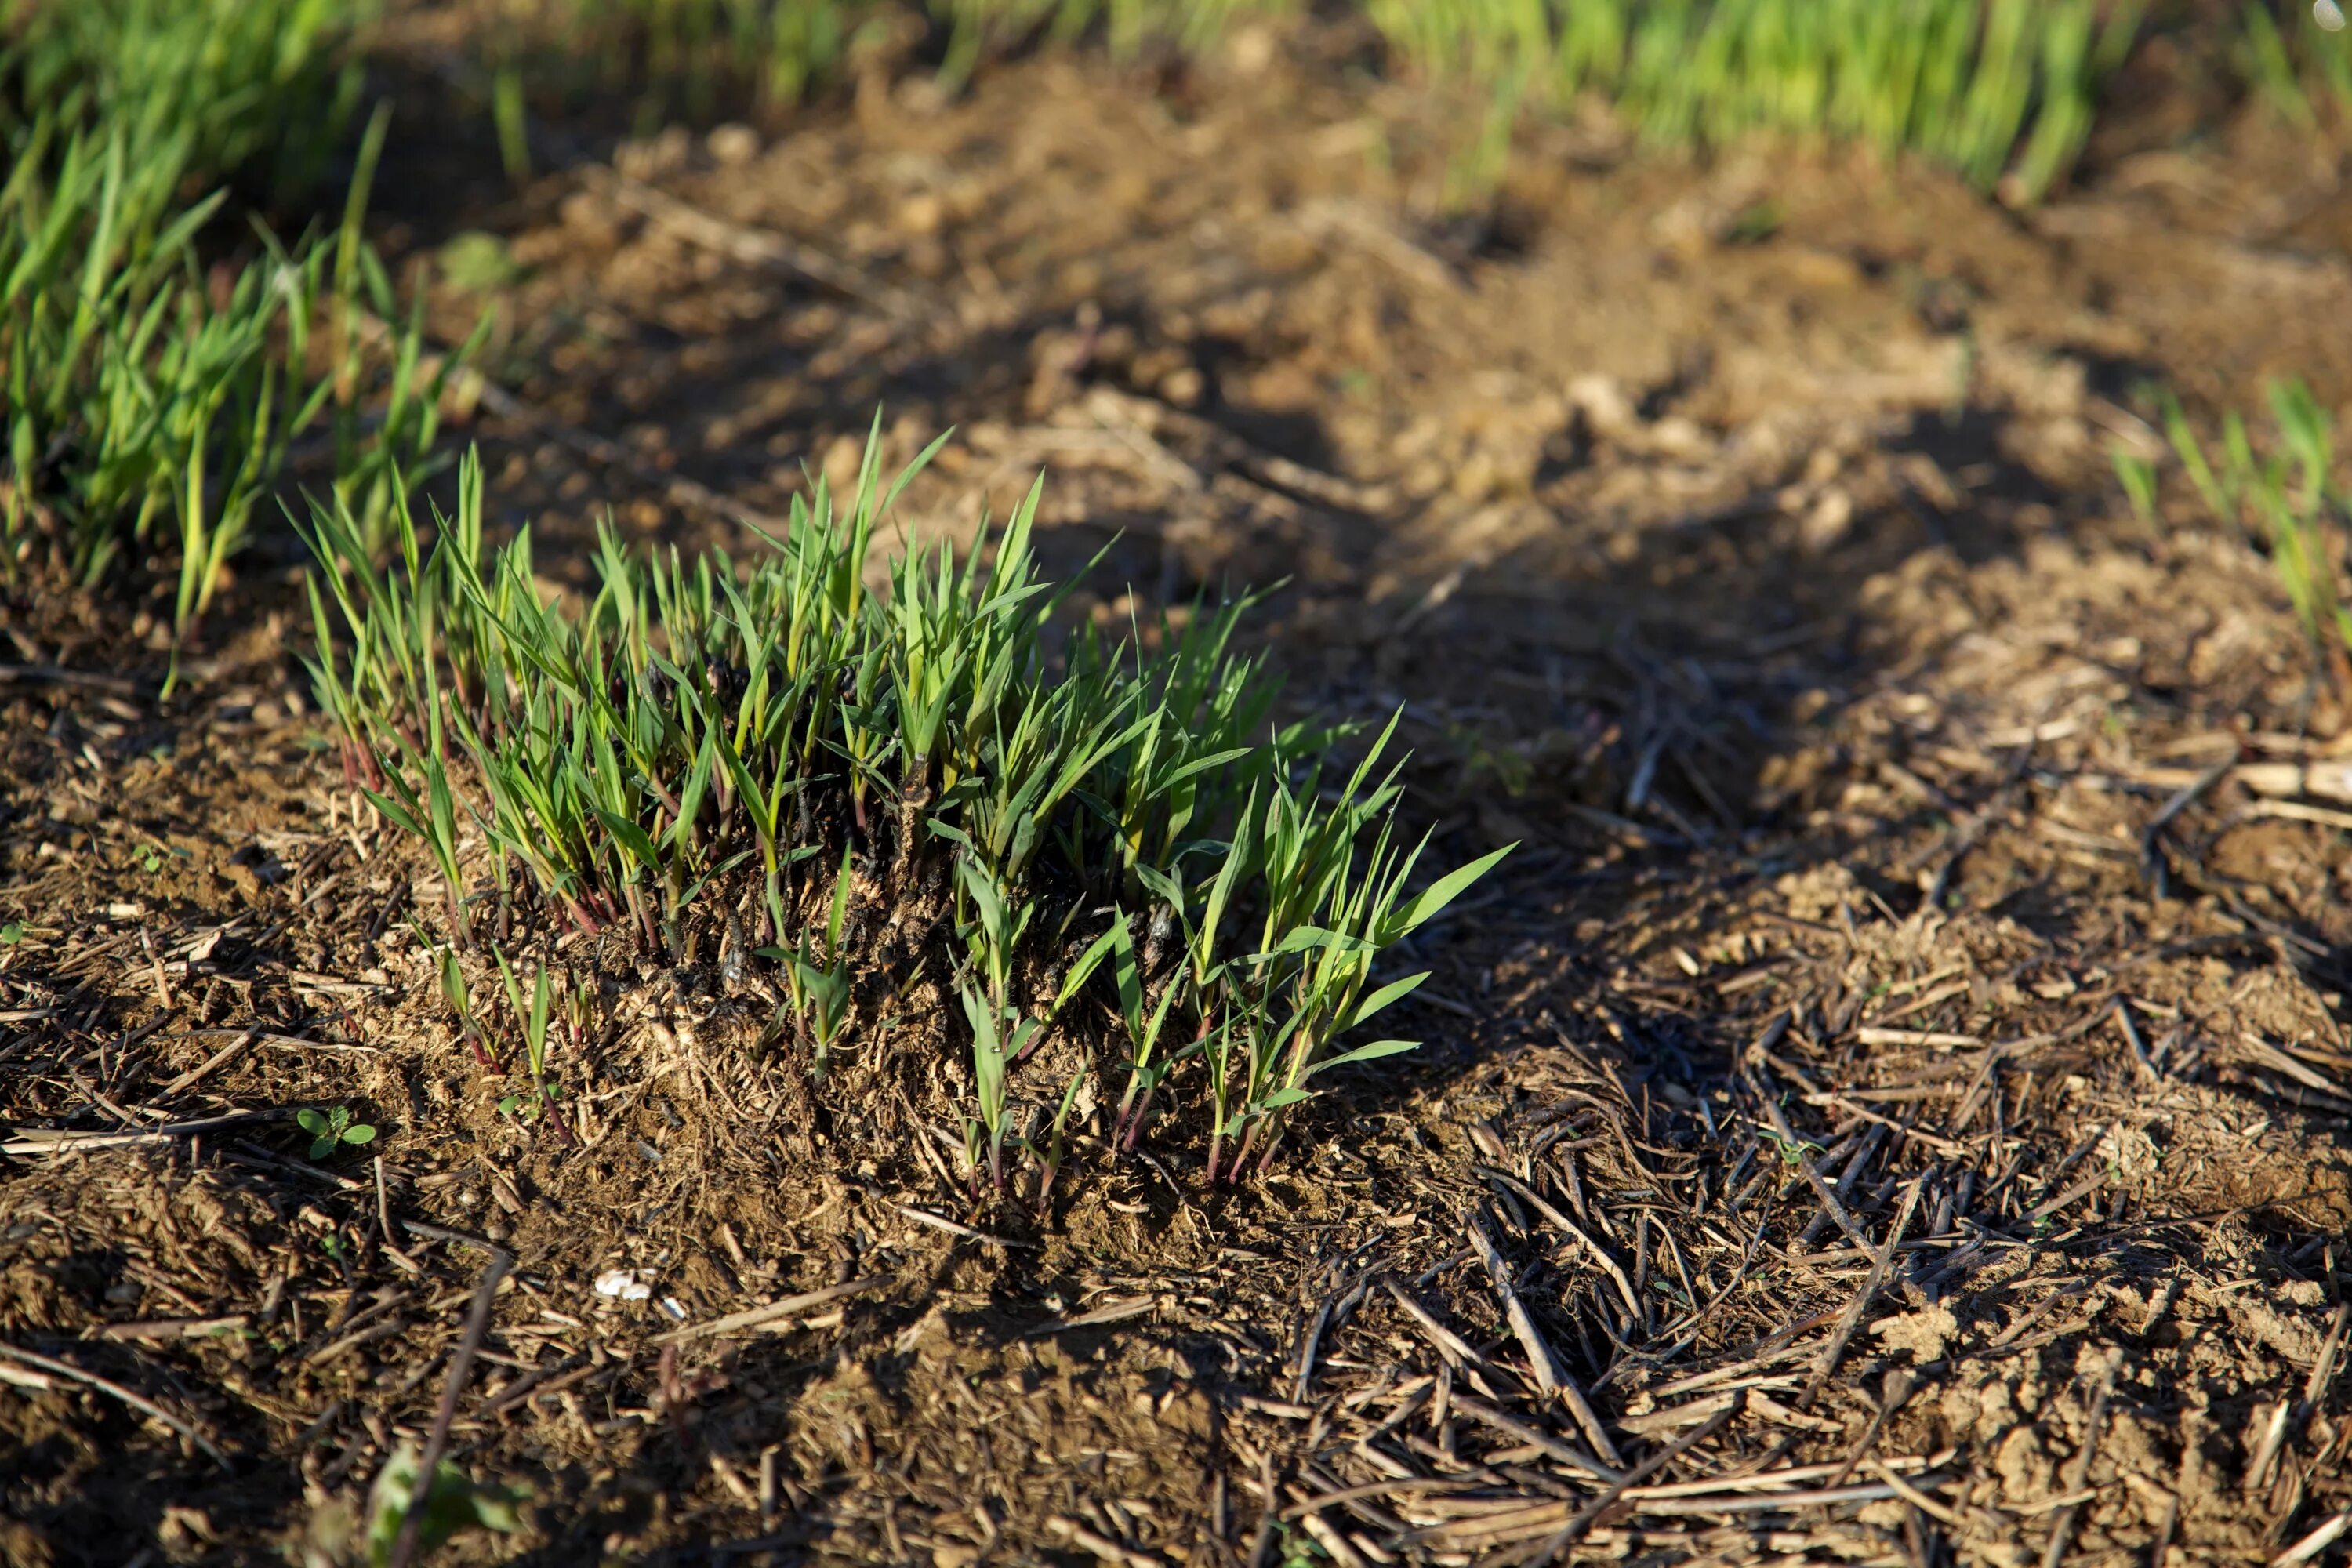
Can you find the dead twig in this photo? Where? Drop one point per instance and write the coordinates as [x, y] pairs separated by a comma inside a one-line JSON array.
[[1792, 1150], [2318, 1541], [1567, 1453], [33, 1141], [203, 1069], [1599, 1254], [1456, 1351], [53, 675], [138, 1402], [753, 247], [1885, 1257], [2078, 1470], [170, 1328], [953, 1227], [768, 1318], [1555, 1383], [1117, 1312], [436, 1440], [2151, 839], [1574, 1531]]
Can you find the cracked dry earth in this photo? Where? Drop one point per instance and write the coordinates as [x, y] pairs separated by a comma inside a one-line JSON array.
[[1890, 1109]]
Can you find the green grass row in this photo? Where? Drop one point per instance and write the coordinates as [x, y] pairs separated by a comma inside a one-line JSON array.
[[154, 398], [2006, 91], [162, 352], [1105, 848], [2284, 495]]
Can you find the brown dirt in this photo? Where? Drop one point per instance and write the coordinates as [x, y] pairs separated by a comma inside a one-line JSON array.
[[1742, 539]]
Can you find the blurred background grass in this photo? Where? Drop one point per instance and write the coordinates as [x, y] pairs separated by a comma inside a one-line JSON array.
[[1992, 88], [157, 333]]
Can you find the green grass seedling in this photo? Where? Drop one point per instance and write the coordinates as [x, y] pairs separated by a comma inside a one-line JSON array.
[[532, 1021], [2290, 503], [1144, 1019], [817, 974]]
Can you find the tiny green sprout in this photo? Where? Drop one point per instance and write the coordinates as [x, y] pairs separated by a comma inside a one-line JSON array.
[[528, 1104], [533, 1019], [1756, 223], [11, 934], [2137, 477], [1298, 1550], [475, 262], [454, 1502], [330, 1130], [150, 859]]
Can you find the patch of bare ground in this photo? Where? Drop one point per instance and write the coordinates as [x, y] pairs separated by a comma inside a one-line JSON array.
[[1890, 1111]]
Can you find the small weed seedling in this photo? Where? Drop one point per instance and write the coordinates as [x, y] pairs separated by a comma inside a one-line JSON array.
[[455, 1503], [330, 1130]]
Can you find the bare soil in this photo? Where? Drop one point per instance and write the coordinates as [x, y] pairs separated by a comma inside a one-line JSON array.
[[1900, 1077]]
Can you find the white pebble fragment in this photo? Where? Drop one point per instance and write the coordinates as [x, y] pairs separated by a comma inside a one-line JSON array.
[[2328, 15], [623, 1285]]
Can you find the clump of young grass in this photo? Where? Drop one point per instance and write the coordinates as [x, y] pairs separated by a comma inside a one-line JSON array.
[[1105, 851], [2289, 502], [151, 400], [704, 57], [262, 89], [667, 59], [1991, 87], [2299, 67]]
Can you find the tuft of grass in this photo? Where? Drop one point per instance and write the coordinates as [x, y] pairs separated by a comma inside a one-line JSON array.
[[2289, 502], [2004, 90], [2300, 65], [1105, 850], [701, 58], [149, 395], [130, 393], [261, 89]]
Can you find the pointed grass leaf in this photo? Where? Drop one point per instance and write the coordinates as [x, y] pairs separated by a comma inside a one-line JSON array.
[[1372, 1052], [1442, 892], [1396, 991]]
